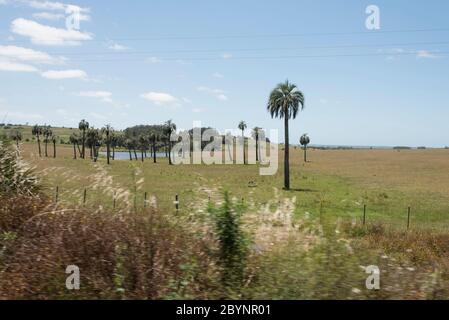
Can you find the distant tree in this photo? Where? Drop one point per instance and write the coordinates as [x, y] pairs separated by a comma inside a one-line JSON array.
[[143, 141], [54, 139], [114, 143], [83, 126], [74, 141], [304, 141], [242, 127], [284, 102], [107, 130], [170, 127], [16, 136], [47, 137], [37, 132], [154, 137], [256, 135], [129, 146]]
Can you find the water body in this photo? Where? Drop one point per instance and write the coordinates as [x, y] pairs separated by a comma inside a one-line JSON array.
[[124, 155]]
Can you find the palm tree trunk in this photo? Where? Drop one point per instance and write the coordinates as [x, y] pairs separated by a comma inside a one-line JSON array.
[[154, 153], [286, 155], [113, 152], [130, 155], [244, 155], [135, 154], [169, 153], [305, 153], [142, 154], [257, 148], [108, 151], [84, 145], [46, 144], [74, 151], [54, 149]]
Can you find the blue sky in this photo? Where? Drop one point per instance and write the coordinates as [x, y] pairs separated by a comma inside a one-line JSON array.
[[142, 62]]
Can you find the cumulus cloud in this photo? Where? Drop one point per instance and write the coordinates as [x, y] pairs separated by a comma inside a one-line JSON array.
[[104, 96], [217, 75], [28, 55], [161, 98], [46, 35], [64, 74], [6, 65], [48, 16], [117, 47]]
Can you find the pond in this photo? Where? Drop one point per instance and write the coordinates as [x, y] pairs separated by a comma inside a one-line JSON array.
[[124, 155]]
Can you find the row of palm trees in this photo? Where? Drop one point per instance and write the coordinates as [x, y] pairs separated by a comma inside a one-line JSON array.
[[48, 137]]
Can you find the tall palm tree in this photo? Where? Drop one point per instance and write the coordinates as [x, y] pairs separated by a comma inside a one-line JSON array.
[[256, 135], [284, 102], [83, 126], [107, 130], [54, 139], [304, 141], [74, 140], [243, 126], [170, 127], [154, 137], [47, 136], [143, 145], [37, 131], [129, 146]]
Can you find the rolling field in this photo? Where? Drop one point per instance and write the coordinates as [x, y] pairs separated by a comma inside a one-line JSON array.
[[334, 184]]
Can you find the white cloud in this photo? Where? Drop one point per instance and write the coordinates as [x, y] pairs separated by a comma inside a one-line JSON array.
[[217, 75], [218, 93], [424, 54], [160, 98], [55, 6], [154, 60], [6, 65], [46, 35], [117, 47], [197, 110], [28, 55], [48, 16], [64, 74], [104, 96], [186, 100]]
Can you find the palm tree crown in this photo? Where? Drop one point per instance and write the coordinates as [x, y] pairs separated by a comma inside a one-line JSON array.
[[284, 102]]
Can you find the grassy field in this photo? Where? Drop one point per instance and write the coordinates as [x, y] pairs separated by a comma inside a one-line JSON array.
[[306, 243], [334, 184], [62, 133]]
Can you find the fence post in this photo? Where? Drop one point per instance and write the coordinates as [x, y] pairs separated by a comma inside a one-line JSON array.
[[408, 218], [145, 200], [57, 194], [177, 203], [364, 214]]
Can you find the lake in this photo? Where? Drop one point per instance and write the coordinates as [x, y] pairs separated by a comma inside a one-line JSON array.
[[124, 155]]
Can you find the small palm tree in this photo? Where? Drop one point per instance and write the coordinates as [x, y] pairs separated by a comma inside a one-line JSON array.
[[154, 138], [37, 132], [83, 126], [143, 141], [284, 102], [74, 140], [107, 130], [256, 135], [47, 137], [54, 139], [243, 126], [170, 127], [129, 146], [304, 141]]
